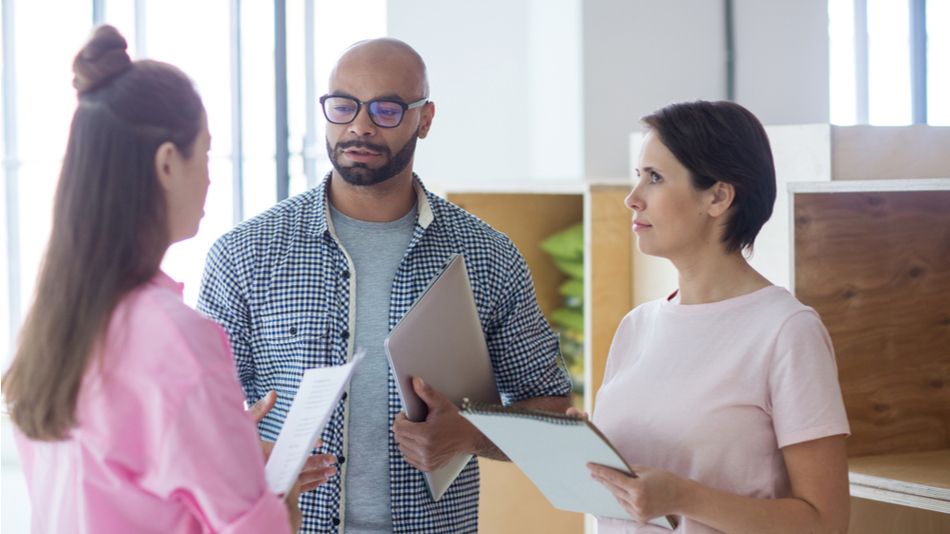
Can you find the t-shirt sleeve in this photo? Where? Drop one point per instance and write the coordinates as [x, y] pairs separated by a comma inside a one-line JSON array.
[[804, 395], [210, 459]]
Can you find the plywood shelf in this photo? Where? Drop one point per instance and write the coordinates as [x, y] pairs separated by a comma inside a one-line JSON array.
[[871, 186], [528, 213], [920, 480]]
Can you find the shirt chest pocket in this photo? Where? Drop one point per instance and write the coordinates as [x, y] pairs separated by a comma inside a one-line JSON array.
[[294, 341]]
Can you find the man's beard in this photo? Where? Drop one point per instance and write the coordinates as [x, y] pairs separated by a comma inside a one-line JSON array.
[[360, 173]]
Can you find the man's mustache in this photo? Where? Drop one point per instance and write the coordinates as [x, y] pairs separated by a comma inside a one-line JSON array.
[[343, 145]]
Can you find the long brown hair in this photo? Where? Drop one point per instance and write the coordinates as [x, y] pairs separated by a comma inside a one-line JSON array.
[[110, 227]]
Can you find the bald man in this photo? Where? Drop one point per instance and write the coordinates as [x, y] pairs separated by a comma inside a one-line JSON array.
[[335, 268]]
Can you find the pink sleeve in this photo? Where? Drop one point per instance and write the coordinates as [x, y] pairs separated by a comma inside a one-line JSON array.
[[25, 453], [211, 460], [804, 394]]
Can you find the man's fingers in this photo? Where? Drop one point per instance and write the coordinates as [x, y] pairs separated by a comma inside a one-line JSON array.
[[315, 478], [408, 432], [316, 471], [408, 437], [312, 485], [404, 429], [318, 461], [261, 407], [574, 411], [266, 448], [425, 392], [410, 457]]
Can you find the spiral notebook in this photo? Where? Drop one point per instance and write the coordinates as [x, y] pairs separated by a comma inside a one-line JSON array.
[[553, 450]]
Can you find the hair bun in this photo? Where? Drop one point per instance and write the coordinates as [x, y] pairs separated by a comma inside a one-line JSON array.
[[103, 58]]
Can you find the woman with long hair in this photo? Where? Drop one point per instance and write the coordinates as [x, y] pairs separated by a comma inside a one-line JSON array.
[[723, 396], [127, 409]]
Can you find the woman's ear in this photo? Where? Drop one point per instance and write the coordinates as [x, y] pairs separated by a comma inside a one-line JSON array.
[[165, 164], [723, 195]]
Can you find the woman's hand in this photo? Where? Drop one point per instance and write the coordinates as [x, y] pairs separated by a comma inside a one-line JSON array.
[[293, 511], [650, 494]]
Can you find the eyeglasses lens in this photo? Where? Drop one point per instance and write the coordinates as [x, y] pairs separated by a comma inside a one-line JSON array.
[[386, 114], [340, 110]]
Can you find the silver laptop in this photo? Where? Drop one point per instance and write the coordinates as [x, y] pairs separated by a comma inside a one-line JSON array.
[[440, 339]]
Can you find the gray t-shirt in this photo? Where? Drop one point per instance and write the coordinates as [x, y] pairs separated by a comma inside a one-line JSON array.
[[376, 249]]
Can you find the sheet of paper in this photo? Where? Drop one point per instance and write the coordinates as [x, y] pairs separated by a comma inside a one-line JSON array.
[[316, 399]]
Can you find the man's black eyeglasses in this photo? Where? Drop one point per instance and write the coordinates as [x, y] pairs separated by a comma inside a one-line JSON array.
[[383, 113]]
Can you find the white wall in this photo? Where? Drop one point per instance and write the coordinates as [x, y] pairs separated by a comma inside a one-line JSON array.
[[640, 55], [802, 153], [555, 89], [499, 67], [782, 60], [505, 77]]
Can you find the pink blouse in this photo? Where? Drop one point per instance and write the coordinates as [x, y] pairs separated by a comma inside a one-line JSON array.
[[163, 444]]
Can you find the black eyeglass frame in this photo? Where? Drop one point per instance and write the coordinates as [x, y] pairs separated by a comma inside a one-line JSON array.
[[359, 105]]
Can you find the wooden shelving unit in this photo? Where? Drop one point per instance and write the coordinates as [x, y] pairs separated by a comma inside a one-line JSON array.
[[873, 258], [528, 213]]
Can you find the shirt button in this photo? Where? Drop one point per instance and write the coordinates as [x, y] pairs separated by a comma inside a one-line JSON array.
[[344, 396], [346, 274], [336, 521], [345, 334], [293, 330], [342, 459]]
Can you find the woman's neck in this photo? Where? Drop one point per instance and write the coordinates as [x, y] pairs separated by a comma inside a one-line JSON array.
[[715, 275]]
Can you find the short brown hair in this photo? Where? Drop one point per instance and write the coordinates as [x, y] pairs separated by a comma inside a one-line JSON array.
[[722, 142]]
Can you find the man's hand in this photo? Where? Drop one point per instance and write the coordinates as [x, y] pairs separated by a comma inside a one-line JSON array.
[[318, 468], [574, 411], [262, 407], [430, 444]]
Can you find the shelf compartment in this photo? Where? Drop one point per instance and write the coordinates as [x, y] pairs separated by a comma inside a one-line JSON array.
[[920, 480], [875, 265]]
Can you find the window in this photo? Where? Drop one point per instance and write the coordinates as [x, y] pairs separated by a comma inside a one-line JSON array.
[[195, 36], [871, 46]]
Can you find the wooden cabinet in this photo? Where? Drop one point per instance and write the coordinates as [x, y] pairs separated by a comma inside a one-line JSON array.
[[873, 259], [528, 214]]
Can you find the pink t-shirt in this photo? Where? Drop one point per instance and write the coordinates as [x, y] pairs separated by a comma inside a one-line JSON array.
[[163, 444], [712, 392]]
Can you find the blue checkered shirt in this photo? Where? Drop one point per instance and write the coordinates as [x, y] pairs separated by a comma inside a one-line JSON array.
[[280, 285]]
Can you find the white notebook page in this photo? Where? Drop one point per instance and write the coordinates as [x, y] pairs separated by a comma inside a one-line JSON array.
[[318, 395]]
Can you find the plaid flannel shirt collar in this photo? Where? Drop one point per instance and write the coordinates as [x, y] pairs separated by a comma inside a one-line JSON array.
[[319, 222]]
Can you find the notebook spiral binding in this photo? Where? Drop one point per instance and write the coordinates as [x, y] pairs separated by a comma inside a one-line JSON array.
[[525, 413]]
